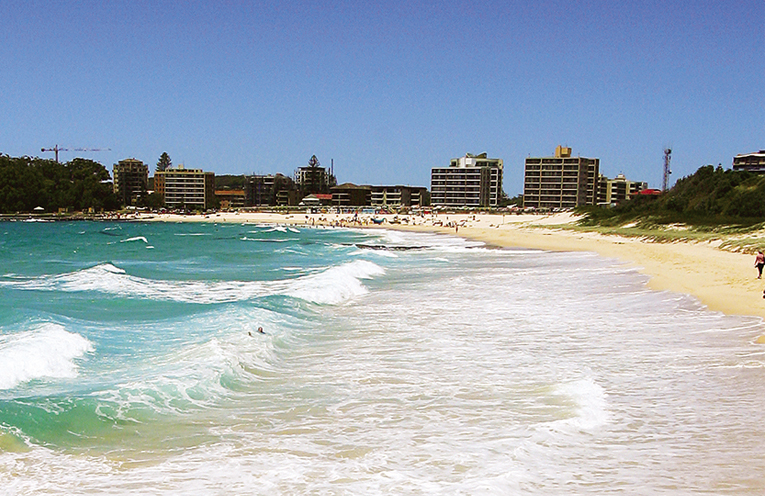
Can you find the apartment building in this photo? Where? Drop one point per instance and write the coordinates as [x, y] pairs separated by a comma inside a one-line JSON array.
[[270, 190], [561, 181], [350, 195], [185, 188], [617, 190], [398, 196], [469, 181], [314, 178], [131, 179], [753, 162]]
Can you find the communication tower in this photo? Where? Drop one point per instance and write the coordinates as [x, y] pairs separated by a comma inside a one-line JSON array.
[[667, 172]]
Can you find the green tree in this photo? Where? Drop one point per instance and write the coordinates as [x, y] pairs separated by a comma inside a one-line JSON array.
[[89, 186], [26, 183], [152, 201], [164, 162]]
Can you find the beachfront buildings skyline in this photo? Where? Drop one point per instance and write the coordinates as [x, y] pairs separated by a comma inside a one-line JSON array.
[[469, 181], [560, 181]]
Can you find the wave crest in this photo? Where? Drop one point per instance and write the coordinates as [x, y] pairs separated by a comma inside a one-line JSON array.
[[331, 286], [46, 352], [336, 284]]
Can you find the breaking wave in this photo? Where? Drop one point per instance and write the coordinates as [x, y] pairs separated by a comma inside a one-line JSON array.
[[48, 351], [331, 286]]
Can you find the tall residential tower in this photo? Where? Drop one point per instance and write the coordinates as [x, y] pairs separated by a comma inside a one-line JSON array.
[[185, 188], [561, 181], [131, 178], [469, 181]]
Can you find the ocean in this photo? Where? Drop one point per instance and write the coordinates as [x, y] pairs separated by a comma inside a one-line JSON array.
[[392, 363]]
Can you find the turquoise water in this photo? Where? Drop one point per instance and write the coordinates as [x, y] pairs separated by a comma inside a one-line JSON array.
[[130, 363]]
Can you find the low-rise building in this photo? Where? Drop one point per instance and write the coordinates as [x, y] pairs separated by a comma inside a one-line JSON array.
[[316, 200], [617, 190], [230, 198], [469, 181], [350, 195], [561, 181], [752, 162], [398, 196], [131, 178], [185, 188]]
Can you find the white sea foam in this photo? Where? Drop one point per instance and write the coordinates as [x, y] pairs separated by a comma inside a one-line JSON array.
[[188, 378], [591, 405], [135, 238], [245, 238], [400, 238], [336, 284], [373, 252], [47, 351]]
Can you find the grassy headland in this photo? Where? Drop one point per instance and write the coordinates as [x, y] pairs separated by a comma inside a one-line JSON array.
[[711, 205]]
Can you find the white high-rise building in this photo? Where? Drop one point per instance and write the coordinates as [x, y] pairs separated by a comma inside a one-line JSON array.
[[469, 181]]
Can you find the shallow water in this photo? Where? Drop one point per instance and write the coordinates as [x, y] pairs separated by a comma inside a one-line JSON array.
[[127, 367]]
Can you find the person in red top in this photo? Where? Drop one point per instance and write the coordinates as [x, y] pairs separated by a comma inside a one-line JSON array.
[[759, 262]]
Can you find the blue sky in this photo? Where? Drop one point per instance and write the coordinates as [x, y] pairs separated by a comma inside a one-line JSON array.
[[386, 89]]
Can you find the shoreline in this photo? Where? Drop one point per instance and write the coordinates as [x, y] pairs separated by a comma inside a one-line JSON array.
[[721, 280]]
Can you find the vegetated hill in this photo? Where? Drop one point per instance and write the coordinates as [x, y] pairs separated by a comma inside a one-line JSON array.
[[710, 196]]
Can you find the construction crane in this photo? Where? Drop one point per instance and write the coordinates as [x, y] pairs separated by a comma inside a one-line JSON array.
[[667, 172], [57, 149]]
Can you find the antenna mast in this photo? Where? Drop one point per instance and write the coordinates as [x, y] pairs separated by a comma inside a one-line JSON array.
[[667, 172]]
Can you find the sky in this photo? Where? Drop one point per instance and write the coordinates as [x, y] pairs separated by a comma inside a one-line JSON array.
[[385, 90]]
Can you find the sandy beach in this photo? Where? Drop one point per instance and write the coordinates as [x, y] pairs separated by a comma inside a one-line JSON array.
[[724, 281]]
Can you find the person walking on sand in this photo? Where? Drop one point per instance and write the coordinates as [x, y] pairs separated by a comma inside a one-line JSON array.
[[759, 262]]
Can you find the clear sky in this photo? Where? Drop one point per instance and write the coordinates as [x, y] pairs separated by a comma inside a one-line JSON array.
[[386, 89]]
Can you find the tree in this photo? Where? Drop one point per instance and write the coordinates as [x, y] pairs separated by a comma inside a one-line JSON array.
[[164, 162], [26, 183], [152, 200]]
